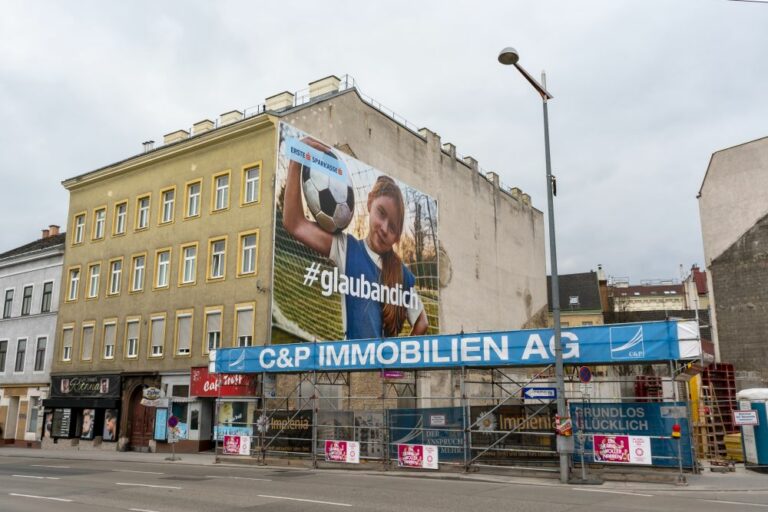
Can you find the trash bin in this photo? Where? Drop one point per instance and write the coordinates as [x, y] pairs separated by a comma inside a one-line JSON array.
[[752, 417]]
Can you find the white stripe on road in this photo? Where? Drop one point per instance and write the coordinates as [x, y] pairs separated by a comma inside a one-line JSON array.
[[612, 492], [147, 485], [38, 497], [737, 503], [133, 471], [38, 477], [141, 510], [239, 478], [55, 467], [307, 501]]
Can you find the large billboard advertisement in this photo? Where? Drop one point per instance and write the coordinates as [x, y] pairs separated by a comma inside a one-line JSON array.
[[356, 250]]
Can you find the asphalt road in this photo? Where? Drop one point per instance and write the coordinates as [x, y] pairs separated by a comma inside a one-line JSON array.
[[38, 484]]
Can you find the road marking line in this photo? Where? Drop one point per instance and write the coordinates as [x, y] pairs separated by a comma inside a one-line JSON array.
[[55, 467], [147, 485], [38, 497], [307, 501], [239, 478], [613, 492], [133, 471], [141, 510], [38, 477], [737, 503]]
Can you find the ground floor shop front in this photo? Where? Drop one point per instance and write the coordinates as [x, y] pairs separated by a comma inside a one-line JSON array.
[[20, 414]]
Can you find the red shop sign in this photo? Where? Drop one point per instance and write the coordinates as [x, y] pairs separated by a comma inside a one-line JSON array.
[[232, 384]]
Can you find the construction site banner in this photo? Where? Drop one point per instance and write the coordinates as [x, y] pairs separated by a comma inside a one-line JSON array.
[[605, 344]]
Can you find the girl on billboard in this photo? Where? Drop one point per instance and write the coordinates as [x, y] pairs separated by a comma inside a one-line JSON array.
[[373, 258]]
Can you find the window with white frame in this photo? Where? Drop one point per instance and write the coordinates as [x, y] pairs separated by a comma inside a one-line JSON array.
[[74, 283], [213, 329], [248, 244], [79, 228], [86, 353], [142, 212], [42, 346], [94, 272], [45, 303], [217, 258], [121, 215], [163, 269], [21, 354], [137, 273], [157, 335], [244, 326], [68, 335], [34, 407], [251, 188], [26, 300], [8, 304], [183, 333], [221, 192], [132, 338], [189, 264], [110, 333], [193, 199], [168, 200], [99, 223], [115, 274], [3, 354]]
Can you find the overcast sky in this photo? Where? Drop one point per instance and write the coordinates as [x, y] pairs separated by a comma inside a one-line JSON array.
[[645, 91]]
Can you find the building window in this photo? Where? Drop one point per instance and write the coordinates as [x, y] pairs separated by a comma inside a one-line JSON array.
[[68, 333], [157, 335], [115, 273], [162, 268], [45, 305], [3, 354], [221, 191], [247, 253], [217, 250], [74, 283], [192, 208], [251, 178], [137, 273], [34, 406], [183, 333], [42, 345], [168, 201], [586, 323], [79, 228], [132, 339], [8, 304], [244, 325], [121, 214], [86, 350], [110, 332], [26, 300], [21, 354], [142, 212], [188, 264], [94, 273], [212, 330], [99, 222]]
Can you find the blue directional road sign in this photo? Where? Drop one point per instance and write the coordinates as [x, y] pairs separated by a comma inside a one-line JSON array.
[[540, 393]]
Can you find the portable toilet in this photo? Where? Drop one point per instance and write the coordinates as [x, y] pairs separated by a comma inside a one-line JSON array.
[[752, 416]]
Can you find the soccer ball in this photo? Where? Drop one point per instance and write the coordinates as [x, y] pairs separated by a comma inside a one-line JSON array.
[[330, 196]]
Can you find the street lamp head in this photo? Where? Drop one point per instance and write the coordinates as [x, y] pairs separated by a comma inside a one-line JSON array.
[[509, 56]]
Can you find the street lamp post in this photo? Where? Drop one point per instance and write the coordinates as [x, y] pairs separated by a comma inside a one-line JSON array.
[[509, 56]]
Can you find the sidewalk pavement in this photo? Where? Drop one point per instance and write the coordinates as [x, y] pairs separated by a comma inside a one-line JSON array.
[[741, 480]]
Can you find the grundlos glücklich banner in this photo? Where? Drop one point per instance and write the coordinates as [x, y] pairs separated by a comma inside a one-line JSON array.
[[620, 344]]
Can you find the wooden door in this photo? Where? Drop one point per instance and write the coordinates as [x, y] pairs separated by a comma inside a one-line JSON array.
[[142, 422]]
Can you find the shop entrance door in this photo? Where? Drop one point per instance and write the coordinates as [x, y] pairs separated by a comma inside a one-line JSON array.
[[12, 416], [142, 423]]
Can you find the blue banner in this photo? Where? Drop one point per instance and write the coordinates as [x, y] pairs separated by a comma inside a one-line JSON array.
[[653, 419], [603, 344]]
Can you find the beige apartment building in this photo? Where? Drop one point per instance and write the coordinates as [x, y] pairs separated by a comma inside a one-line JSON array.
[[169, 255]]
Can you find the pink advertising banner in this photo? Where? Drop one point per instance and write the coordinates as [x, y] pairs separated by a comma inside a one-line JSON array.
[[623, 449], [417, 456], [342, 451], [237, 445]]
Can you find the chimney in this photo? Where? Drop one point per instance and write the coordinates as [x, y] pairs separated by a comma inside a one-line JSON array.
[[203, 126], [53, 230], [176, 136], [526, 200], [323, 86], [471, 162], [493, 178], [516, 193], [230, 117], [450, 149], [148, 145], [46, 233], [279, 101]]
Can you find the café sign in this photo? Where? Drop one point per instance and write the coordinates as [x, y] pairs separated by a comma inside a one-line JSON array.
[[208, 384]]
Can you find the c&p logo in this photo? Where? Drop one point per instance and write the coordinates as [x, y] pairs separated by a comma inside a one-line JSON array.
[[627, 342]]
